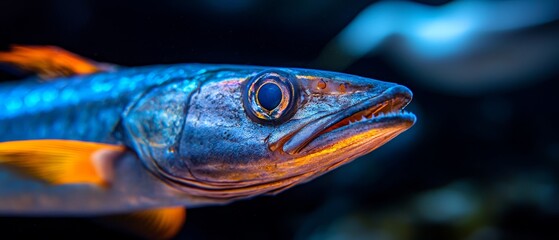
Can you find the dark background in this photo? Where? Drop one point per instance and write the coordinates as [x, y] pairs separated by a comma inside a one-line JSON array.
[[475, 166]]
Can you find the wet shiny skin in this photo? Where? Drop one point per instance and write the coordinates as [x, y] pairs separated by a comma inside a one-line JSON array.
[[189, 137]]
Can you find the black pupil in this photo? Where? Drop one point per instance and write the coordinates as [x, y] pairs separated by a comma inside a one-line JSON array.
[[269, 96]]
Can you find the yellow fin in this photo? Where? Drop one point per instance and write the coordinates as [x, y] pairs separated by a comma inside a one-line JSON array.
[[160, 223], [61, 161], [49, 61]]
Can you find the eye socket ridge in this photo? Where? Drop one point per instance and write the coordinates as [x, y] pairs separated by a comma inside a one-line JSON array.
[[258, 110]]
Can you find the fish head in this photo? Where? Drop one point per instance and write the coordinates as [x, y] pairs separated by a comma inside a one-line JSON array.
[[247, 132]]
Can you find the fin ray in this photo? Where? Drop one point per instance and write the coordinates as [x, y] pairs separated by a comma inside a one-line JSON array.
[[49, 61], [160, 223], [61, 161]]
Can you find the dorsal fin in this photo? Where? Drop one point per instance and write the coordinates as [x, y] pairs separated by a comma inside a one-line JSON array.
[[61, 161], [50, 62]]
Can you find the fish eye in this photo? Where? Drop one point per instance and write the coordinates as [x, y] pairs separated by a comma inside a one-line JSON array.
[[270, 97]]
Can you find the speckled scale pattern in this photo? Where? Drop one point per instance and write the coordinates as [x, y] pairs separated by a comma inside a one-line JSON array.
[[86, 108]]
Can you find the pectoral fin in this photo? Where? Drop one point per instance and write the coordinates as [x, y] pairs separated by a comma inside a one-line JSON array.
[[61, 161], [50, 62], [161, 223]]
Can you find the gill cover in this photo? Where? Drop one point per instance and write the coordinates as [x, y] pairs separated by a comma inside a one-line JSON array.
[[154, 123]]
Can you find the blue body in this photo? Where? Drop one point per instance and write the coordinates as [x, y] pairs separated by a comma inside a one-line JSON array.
[[86, 108]]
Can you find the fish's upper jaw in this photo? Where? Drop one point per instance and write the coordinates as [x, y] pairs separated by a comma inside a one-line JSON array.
[[383, 111]]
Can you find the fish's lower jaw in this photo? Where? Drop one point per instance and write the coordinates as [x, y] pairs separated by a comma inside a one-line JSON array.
[[362, 136], [325, 155]]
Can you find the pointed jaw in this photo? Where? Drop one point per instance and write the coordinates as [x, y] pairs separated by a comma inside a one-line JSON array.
[[358, 129]]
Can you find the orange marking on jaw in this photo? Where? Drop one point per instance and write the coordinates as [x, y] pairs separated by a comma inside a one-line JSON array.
[[343, 87], [321, 84]]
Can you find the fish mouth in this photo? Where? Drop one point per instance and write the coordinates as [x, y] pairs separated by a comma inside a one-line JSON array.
[[380, 112]]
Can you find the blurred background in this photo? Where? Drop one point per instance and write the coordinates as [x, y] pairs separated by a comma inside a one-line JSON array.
[[481, 162]]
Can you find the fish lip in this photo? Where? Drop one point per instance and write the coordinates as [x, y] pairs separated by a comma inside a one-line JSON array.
[[392, 100]]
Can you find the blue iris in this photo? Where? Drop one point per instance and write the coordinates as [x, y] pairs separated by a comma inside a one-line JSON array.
[[269, 96]]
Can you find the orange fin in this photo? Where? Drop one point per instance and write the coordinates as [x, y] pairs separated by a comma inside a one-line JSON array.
[[50, 62], [160, 223], [61, 161]]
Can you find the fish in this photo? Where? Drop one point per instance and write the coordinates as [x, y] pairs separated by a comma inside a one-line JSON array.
[[142, 143]]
